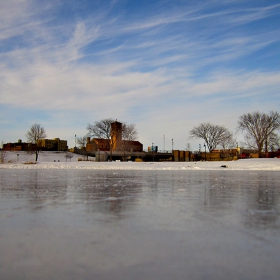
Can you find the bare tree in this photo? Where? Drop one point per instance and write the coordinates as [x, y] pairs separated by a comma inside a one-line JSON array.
[[228, 142], [129, 134], [82, 142], [102, 129], [213, 135], [259, 129], [273, 143], [69, 156], [2, 154], [35, 136]]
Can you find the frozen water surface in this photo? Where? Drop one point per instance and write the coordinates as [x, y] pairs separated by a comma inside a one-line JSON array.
[[133, 224]]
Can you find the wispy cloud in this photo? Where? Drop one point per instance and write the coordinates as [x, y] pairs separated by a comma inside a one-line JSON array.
[[163, 63]]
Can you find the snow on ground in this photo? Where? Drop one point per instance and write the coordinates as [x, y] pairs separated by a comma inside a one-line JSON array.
[[57, 160]]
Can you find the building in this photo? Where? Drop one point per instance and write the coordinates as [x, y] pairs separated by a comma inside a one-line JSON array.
[[116, 134], [116, 141], [273, 154], [19, 146], [54, 144], [45, 144]]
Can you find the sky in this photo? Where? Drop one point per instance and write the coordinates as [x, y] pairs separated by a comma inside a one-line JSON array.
[[165, 66]]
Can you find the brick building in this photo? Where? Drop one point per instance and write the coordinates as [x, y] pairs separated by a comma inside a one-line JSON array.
[[118, 144], [45, 144], [19, 146]]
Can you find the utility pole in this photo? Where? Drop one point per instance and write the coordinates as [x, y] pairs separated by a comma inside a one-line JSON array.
[[153, 151]]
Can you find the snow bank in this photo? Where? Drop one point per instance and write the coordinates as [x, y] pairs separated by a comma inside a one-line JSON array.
[[56, 160]]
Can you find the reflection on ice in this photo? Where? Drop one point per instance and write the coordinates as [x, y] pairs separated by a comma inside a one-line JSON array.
[[99, 224]]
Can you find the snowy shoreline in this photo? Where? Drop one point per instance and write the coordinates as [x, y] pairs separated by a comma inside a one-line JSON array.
[[57, 160]]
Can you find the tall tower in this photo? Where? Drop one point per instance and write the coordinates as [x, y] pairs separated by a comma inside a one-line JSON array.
[[116, 134]]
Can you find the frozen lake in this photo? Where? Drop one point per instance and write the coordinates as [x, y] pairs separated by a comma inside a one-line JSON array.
[[133, 224]]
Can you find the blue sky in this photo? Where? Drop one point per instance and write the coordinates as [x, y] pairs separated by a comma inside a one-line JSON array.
[[166, 66]]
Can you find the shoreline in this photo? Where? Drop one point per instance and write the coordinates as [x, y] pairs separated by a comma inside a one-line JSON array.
[[261, 164]]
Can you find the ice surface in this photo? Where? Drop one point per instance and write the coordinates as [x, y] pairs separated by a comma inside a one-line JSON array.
[[140, 224], [140, 220]]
